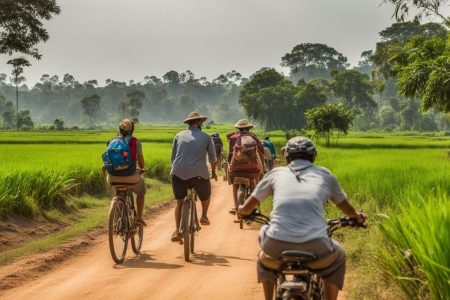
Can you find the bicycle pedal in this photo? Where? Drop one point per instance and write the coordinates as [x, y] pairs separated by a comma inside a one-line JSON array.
[[237, 221]]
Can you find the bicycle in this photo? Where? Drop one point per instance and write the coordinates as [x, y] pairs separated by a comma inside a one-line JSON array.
[[122, 224], [189, 224], [246, 186], [294, 279]]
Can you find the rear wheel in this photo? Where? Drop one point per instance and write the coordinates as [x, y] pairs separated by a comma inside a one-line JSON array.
[[192, 229], [117, 230], [242, 194], [185, 226], [138, 232]]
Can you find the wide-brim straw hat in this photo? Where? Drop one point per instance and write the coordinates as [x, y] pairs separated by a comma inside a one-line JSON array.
[[195, 116], [243, 123]]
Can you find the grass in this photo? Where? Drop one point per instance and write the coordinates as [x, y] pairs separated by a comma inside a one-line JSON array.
[[382, 173], [90, 213], [415, 248]]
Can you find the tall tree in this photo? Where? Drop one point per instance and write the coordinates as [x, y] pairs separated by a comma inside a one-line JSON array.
[[423, 71], [420, 9], [91, 107], [355, 88], [308, 61], [18, 64], [21, 27]]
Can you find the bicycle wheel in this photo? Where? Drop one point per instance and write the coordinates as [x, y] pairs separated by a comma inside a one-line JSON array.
[[242, 194], [185, 227], [193, 226], [117, 230], [138, 230]]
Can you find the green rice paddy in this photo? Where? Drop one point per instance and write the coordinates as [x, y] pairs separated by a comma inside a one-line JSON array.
[[401, 180]]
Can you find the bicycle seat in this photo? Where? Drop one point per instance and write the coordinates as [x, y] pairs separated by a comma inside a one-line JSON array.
[[301, 257]]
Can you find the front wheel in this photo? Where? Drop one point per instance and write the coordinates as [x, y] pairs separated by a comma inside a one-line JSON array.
[[185, 227], [242, 194], [117, 230], [137, 238]]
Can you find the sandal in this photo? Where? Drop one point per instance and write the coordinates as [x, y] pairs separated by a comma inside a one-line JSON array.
[[176, 236], [204, 221], [141, 221]]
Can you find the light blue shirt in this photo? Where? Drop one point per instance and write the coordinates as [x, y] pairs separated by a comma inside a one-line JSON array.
[[298, 213], [189, 151]]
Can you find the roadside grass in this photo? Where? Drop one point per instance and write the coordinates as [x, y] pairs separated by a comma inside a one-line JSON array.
[[87, 214]]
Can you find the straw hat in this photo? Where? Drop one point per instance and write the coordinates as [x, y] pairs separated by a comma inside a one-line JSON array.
[[195, 116], [243, 123], [126, 125]]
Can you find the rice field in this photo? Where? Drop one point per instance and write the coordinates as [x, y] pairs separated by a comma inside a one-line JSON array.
[[401, 180]]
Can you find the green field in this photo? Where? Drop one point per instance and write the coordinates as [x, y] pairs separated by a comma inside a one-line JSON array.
[[394, 178]]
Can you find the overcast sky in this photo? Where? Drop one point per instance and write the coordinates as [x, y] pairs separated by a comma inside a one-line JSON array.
[[128, 39]]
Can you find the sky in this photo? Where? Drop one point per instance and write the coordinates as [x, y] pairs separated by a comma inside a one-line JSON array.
[[123, 40]]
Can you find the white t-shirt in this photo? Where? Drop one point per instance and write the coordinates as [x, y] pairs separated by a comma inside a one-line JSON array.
[[298, 207]]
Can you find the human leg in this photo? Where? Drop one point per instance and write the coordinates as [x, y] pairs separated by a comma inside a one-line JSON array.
[[203, 188], [331, 291], [179, 188]]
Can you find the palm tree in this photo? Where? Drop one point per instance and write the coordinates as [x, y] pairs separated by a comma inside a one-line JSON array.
[[18, 65]]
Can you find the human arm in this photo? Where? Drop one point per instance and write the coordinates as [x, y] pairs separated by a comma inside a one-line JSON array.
[[212, 158], [140, 156], [340, 199], [248, 207], [174, 150], [350, 211], [262, 191]]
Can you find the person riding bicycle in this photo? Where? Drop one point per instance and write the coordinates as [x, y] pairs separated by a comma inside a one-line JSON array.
[[131, 176], [300, 191], [218, 146], [242, 165], [189, 168], [270, 155]]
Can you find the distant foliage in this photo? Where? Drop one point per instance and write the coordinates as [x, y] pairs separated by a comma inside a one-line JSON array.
[[307, 61], [276, 103], [24, 121], [91, 107], [330, 121], [59, 124]]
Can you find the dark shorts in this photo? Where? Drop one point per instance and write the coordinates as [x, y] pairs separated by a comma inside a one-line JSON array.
[[201, 185]]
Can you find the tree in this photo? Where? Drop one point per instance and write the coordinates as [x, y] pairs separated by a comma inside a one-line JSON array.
[[422, 8], [24, 120], [423, 71], [355, 88], [21, 27], [59, 124], [394, 37], [309, 61], [18, 64], [91, 107], [329, 121], [131, 108], [9, 117], [276, 103]]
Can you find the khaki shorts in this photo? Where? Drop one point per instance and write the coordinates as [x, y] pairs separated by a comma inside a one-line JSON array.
[[330, 266], [134, 182]]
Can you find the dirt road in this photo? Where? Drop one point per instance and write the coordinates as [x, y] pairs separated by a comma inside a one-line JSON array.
[[222, 268]]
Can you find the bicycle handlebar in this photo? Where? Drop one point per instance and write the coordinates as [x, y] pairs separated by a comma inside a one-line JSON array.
[[333, 224]]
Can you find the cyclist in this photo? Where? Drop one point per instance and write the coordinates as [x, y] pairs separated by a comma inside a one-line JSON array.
[[131, 175], [218, 146], [189, 168], [249, 168], [300, 191], [270, 155]]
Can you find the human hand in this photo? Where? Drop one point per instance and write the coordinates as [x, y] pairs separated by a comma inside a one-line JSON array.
[[361, 217]]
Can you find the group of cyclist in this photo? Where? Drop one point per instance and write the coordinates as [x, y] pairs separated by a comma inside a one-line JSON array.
[[300, 191]]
